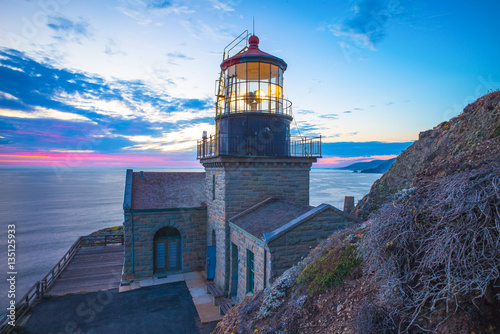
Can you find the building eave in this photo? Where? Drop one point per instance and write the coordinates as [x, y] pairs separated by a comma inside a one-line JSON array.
[[271, 236]]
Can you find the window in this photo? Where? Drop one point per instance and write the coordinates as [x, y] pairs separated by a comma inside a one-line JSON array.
[[250, 271], [265, 268], [213, 187]]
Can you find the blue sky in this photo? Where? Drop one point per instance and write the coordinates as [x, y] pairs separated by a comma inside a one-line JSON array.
[[131, 82]]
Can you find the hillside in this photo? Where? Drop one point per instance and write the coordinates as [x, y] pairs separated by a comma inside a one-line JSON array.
[[444, 149], [426, 261], [382, 168], [368, 165]]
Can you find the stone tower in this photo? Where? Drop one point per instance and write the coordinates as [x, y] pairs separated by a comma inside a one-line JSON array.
[[251, 156]]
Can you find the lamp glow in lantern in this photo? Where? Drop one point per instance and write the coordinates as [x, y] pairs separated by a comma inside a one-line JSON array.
[[251, 111]]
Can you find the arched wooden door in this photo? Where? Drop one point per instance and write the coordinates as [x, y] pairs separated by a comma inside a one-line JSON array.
[[167, 248]]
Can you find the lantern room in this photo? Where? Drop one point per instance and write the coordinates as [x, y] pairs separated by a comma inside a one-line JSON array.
[[253, 82]]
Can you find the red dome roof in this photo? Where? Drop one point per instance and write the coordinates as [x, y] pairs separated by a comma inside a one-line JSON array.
[[253, 54]]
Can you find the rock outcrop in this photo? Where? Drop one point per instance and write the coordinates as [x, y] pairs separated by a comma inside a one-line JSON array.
[[460, 143]]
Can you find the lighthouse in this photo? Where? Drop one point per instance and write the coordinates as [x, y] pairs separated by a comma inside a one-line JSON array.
[[247, 218], [251, 156]]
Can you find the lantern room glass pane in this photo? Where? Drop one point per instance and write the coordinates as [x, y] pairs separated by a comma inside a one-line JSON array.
[[253, 71], [241, 71], [265, 72], [274, 74]]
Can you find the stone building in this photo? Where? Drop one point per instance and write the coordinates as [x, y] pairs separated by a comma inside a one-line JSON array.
[[247, 218], [165, 224]]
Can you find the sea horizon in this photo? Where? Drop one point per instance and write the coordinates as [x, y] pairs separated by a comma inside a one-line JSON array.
[[52, 207]]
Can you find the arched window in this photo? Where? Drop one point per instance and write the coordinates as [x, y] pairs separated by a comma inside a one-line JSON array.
[[167, 248]]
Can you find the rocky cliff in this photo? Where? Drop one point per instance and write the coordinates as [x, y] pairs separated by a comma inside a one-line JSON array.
[[463, 142]]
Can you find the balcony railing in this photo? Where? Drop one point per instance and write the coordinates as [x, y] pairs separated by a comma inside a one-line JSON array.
[[266, 105], [293, 146]]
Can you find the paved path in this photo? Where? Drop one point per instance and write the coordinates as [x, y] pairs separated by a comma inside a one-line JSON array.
[[166, 308], [196, 283], [91, 269]]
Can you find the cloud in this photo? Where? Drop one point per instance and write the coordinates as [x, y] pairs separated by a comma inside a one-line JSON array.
[[389, 103], [62, 160], [306, 129], [68, 30], [41, 112], [330, 116], [181, 140], [347, 112], [7, 96], [112, 48], [203, 31], [81, 108], [223, 5], [158, 4], [305, 112], [367, 25], [143, 11], [179, 56]]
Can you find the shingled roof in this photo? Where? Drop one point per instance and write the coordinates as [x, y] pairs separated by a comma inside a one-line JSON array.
[[268, 216], [166, 190]]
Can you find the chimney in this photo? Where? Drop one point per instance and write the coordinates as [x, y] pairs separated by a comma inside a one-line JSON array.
[[348, 204], [141, 174]]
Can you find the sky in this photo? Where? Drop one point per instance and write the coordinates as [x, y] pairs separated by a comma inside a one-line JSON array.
[[131, 82]]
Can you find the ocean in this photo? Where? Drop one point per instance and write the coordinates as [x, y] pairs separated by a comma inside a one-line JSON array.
[[52, 207]]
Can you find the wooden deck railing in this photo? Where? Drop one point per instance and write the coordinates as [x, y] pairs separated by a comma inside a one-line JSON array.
[[39, 289]]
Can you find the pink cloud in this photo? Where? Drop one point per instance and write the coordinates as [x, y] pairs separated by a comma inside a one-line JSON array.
[[95, 159], [10, 157]]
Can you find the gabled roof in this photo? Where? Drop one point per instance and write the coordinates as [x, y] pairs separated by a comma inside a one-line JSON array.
[[164, 190], [267, 216], [304, 218], [272, 218]]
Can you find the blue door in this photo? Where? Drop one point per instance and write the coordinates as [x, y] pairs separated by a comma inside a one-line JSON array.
[[211, 262]]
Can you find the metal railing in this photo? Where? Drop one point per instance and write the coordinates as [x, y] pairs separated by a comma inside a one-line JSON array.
[[40, 288], [293, 146], [266, 105]]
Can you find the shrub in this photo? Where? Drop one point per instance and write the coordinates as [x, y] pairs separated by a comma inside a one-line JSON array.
[[330, 270], [275, 294], [439, 245]]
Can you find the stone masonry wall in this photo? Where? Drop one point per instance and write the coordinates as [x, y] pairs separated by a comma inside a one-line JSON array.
[[216, 222], [245, 242], [242, 183], [289, 248], [191, 223]]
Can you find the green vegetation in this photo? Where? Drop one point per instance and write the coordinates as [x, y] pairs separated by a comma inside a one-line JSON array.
[[330, 270], [496, 133]]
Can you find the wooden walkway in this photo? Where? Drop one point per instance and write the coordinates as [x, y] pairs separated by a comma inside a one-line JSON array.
[[91, 269]]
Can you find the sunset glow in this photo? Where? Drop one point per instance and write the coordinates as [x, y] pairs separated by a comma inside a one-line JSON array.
[[132, 82]]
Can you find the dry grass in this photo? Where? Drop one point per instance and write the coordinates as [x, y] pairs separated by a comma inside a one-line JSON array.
[[435, 247]]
